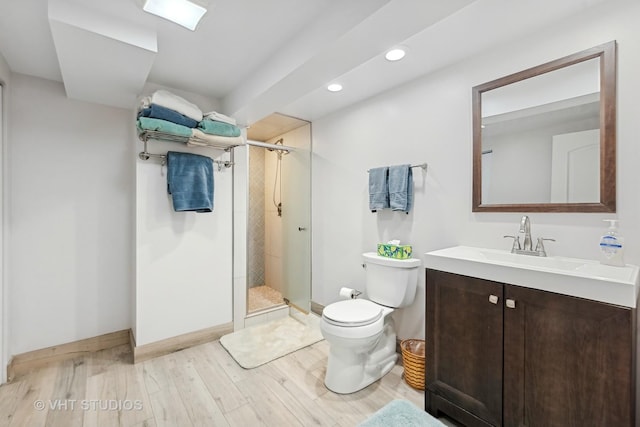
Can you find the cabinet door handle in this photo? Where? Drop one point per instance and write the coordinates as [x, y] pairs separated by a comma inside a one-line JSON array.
[[510, 303], [493, 299]]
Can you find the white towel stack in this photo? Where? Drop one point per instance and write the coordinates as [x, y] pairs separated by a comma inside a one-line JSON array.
[[219, 117], [201, 139], [173, 102]]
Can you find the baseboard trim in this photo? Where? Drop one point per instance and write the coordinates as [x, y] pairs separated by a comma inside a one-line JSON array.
[[171, 345], [25, 362], [132, 342], [317, 308]]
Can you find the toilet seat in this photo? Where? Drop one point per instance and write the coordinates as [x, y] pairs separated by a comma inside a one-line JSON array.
[[352, 313]]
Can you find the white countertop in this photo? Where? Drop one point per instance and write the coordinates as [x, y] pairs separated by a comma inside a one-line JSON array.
[[568, 276]]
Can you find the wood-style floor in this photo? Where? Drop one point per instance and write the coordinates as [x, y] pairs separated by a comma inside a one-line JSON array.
[[200, 386]]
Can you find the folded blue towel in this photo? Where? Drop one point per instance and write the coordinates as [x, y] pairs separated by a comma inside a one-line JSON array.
[[190, 181], [401, 413], [400, 188], [378, 188], [215, 127], [148, 123], [156, 111]]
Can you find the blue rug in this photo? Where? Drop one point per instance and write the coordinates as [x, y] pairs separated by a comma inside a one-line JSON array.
[[400, 413]]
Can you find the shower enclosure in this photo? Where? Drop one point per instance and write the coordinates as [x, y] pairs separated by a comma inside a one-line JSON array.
[[278, 210]]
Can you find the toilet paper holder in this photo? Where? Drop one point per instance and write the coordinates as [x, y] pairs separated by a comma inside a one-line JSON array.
[[349, 293]]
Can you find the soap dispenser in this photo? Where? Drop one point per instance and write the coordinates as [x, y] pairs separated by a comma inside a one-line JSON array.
[[611, 245]]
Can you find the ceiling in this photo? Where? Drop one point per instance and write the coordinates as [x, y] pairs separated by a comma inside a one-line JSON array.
[[273, 125], [256, 57]]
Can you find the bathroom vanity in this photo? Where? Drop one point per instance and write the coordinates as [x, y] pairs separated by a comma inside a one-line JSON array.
[[515, 340]]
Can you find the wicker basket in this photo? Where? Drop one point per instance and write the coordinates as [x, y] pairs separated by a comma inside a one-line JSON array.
[[413, 361]]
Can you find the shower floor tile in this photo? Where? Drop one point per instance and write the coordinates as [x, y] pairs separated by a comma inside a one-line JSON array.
[[262, 297]]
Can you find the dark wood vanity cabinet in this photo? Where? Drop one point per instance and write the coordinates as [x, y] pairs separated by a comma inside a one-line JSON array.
[[504, 355], [464, 340]]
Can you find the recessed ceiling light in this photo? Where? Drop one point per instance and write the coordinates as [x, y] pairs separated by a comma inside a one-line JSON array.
[[395, 54], [334, 87], [182, 12]]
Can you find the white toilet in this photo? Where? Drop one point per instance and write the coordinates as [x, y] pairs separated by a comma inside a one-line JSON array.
[[360, 332]]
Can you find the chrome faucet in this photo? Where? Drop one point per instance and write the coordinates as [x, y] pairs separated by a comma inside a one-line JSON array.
[[526, 248], [525, 227]]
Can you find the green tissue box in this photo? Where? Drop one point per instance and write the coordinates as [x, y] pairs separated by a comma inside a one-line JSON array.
[[395, 251]]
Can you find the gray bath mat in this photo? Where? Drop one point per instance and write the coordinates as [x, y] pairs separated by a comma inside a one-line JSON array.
[[259, 344], [401, 413]]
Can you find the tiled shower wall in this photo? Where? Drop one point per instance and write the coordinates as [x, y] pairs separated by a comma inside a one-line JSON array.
[[256, 230]]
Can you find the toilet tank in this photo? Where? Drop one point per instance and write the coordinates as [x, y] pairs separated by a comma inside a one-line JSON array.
[[391, 282]]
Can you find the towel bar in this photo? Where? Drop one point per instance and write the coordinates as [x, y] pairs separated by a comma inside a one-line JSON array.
[[423, 166], [145, 155]]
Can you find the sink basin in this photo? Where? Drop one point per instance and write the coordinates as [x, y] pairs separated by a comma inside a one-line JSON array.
[[569, 276], [526, 261]]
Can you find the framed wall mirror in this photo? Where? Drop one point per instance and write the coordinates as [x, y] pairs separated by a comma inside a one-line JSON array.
[[544, 139]]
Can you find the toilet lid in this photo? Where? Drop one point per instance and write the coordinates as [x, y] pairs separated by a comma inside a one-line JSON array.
[[353, 312]]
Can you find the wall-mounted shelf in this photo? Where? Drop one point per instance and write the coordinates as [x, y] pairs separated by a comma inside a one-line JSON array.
[[192, 141]]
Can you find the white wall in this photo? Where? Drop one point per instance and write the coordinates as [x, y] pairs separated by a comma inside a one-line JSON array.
[[429, 120], [505, 166], [5, 75], [73, 251], [183, 259], [534, 145], [70, 192]]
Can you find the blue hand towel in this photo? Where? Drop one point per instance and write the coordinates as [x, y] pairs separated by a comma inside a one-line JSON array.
[[400, 188], [156, 111], [190, 181], [378, 188]]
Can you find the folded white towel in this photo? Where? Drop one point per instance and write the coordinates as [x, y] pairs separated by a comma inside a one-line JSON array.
[[219, 117], [174, 102], [145, 102], [201, 139]]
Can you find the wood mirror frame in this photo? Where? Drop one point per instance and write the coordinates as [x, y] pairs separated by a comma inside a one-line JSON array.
[[607, 56]]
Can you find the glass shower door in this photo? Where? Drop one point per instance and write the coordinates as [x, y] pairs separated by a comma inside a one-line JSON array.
[[296, 222]]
